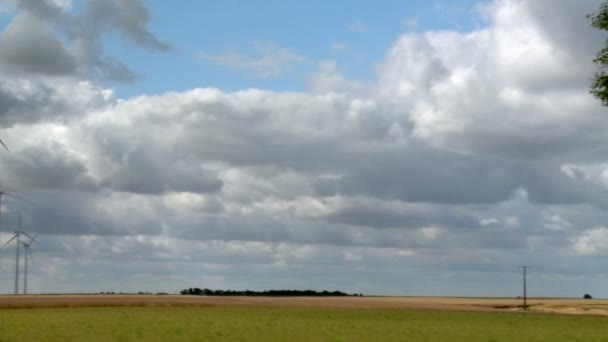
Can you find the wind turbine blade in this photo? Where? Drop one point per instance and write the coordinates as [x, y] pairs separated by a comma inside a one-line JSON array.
[[4, 145], [29, 236], [29, 251], [13, 238], [19, 198], [33, 239]]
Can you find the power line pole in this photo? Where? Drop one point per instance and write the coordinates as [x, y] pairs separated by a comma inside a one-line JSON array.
[[524, 269]]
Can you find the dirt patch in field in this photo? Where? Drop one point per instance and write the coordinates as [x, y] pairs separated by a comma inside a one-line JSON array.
[[558, 306]]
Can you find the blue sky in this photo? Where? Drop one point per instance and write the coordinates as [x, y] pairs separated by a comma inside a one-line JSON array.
[[354, 34]]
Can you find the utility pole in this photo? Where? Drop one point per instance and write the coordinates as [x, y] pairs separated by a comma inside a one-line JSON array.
[[524, 269]]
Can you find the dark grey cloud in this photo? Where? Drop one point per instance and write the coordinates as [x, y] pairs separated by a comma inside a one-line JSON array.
[[578, 39], [127, 17], [424, 174], [61, 212], [48, 39], [27, 45], [142, 177], [47, 167], [380, 214], [147, 168], [42, 8], [25, 101]]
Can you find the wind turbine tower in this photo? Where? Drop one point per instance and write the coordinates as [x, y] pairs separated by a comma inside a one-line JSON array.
[[28, 259], [6, 148], [17, 236], [28, 254]]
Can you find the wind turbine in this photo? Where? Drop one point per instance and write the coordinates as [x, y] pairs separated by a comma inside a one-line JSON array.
[[6, 148], [28, 253], [4, 193], [17, 236], [4, 145]]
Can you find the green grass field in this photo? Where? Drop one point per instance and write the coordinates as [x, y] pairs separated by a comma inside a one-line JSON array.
[[289, 324]]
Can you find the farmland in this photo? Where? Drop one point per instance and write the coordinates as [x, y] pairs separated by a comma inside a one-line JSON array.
[[186, 318], [511, 305]]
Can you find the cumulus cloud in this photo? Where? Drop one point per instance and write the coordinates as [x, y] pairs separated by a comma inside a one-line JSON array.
[[456, 87], [51, 38], [592, 242], [27, 45], [25, 101]]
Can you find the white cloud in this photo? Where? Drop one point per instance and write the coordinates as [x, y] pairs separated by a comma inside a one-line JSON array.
[[338, 46], [592, 242], [557, 223], [411, 23], [329, 78], [455, 86], [358, 27], [267, 60]]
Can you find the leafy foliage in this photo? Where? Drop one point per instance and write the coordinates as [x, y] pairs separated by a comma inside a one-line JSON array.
[[599, 87]]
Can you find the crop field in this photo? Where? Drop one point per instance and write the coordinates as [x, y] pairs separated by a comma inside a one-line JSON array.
[[186, 318]]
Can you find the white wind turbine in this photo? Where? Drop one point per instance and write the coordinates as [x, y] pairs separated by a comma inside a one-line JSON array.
[[6, 148], [9, 194], [28, 255], [4, 145], [17, 236]]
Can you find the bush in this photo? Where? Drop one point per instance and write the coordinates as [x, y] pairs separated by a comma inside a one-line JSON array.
[[587, 296]]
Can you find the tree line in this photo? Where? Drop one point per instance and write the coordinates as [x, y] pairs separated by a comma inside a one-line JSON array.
[[268, 293], [599, 86]]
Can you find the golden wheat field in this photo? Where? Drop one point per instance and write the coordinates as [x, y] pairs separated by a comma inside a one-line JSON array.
[[540, 305]]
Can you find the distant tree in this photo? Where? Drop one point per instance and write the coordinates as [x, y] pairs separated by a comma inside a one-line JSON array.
[[587, 296], [599, 87], [269, 293]]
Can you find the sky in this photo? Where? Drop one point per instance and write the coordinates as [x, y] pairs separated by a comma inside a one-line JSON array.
[[386, 147]]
